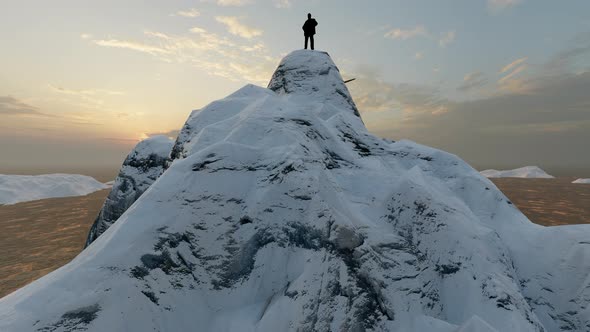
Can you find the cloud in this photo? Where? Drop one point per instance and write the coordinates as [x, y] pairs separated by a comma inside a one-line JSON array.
[[283, 3], [403, 34], [499, 5], [173, 134], [564, 60], [547, 125], [93, 99], [249, 61], [12, 106], [234, 27], [372, 94], [473, 81], [446, 38], [513, 64], [87, 92], [233, 3], [85, 36], [136, 46], [419, 55], [553, 119], [513, 73], [510, 81], [192, 12]]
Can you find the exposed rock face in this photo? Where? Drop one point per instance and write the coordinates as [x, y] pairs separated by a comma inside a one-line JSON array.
[[280, 212], [140, 169]]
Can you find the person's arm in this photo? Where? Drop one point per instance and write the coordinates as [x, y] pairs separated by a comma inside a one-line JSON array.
[[315, 22]]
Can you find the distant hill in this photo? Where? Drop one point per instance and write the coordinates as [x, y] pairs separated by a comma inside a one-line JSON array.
[[23, 188], [523, 172]]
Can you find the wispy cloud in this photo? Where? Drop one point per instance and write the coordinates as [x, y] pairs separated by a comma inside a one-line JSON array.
[[513, 64], [233, 3], [232, 58], [446, 38], [499, 5], [86, 92], [235, 27], [192, 12], [12, 106], [373, 94], [509, 81], [550, 121], [283, 3], [91, 99], [473, 81], [403, 34], [136, 46]]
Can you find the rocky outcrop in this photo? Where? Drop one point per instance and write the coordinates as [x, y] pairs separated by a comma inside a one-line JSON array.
[[140, 169]]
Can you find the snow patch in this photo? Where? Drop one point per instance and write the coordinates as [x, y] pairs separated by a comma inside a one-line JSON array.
[[23, 188], [523, 172], [582, 181]]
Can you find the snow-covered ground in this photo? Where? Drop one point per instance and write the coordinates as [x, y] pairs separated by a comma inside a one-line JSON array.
[[530, 172], [23, 188], [582, 181], [279, 211]]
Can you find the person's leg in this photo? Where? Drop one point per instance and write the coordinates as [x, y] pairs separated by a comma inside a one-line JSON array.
[[306, 37], [311, 38]]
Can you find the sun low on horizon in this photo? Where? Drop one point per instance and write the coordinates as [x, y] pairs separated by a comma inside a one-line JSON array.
[[497, 82]]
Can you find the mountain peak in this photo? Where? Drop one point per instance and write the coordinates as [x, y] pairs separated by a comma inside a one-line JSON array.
[[312, 74]]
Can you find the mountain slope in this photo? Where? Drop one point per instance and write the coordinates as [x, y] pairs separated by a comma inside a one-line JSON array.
[[144, 164], [279, 211]]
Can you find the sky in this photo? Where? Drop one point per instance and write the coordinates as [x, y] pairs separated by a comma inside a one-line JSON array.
[[501, 83]]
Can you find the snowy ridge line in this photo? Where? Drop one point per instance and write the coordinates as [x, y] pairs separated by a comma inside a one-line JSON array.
[[279, 211]]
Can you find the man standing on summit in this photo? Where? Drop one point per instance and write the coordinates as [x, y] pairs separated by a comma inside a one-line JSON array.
[[309, 29]]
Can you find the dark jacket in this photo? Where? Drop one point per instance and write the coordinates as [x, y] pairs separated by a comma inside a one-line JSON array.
[[309, 27]]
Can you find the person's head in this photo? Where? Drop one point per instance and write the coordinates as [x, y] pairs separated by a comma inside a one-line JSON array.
[[308, 15]]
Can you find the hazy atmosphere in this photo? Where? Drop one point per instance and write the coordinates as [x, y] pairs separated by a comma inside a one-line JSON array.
[[501, 83]]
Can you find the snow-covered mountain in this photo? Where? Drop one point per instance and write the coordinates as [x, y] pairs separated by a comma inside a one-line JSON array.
[[23, 188], [582, 181], [523, 172], [280, 212], [141, 168]]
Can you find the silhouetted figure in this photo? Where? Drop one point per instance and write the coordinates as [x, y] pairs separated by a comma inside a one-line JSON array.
[[309, 29]]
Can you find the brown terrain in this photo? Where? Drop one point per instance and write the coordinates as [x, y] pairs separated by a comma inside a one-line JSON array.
[[549, 202], [40, 236]]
